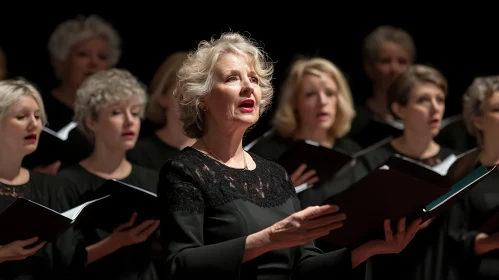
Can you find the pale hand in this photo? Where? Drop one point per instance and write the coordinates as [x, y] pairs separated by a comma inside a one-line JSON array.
[[16, 250], [305, 226], [426, 224], [124, 235], [394, 243], [299, 178]]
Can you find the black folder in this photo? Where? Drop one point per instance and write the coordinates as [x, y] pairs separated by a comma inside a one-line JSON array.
[[490, 224], [24, 219], [123, 200], [325, 161], [400, 188], [50, 149]]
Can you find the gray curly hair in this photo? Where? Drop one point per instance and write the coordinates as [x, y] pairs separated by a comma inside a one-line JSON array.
[[105, 88], [195, 77]]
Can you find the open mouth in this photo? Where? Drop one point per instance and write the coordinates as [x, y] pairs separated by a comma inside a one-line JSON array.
[[247, 104], [128, 134], [31, 137]]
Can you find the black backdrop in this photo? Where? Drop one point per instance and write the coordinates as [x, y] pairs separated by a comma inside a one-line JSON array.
[[460, 45]]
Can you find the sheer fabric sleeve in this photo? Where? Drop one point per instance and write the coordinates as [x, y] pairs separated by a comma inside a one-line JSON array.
[[181, 207]]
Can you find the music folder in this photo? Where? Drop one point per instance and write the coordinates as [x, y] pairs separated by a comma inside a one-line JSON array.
[[49, 150], [25, 219], [123, 200], [325, 161], [400, 188]]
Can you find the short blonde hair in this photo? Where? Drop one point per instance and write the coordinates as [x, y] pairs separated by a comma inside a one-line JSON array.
[[103, 89], [73, 31], [285, 119], [383, 34], [400, 89], [164, 78], [474, 100], [12, 90], [195, 77]]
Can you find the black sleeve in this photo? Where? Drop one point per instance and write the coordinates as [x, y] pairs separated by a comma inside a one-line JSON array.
[[181, 208]]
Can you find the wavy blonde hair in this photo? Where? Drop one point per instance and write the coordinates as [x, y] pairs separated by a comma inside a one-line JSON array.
[[195, 77], [286, 120]]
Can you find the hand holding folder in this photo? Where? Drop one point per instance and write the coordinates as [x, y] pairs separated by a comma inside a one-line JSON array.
[[400, 188]]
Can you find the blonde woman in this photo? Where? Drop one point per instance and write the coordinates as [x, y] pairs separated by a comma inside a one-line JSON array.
[[162, 109]]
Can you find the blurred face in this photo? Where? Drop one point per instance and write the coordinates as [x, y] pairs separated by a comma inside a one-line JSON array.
[[84, 59], [424, 111], [488, 122], [392, 60], [316, 101], [22, 124], [117, 125], [236, 94]]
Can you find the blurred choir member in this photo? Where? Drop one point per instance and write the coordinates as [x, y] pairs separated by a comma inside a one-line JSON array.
[[478, 252], [315, 104], [153, 150], [387, 52], [417, 98], [108, 109]]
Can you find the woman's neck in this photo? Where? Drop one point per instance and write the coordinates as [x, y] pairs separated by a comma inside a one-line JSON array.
[[172, 135], [225, 145], [415, 146], [378, 104], [66, 94], [320, 136], [107, 163], [489, 156], [11, 171]]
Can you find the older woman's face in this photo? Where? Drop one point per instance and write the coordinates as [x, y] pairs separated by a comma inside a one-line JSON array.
[[117, 125], [84, 59], [488, 122], [22, 124], [392, 59], [316, 101], [236, 94], [424, 110]]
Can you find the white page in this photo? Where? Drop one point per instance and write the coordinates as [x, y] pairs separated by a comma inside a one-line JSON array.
[[444, 165], [74, 212], [137, 188], [302, 187]]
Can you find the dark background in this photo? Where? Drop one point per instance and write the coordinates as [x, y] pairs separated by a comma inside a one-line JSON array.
[[461, 46]]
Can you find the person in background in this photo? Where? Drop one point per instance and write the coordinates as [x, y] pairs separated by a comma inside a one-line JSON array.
[[315, 104], [477, 252], [229, 214], [387, 52], [108, 110], [152, 151], [3, 65], [417, 98]]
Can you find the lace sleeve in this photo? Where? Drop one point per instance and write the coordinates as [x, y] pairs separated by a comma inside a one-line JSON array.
[[181, 207]]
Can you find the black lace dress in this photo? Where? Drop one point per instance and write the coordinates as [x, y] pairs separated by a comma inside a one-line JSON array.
[[208, 209]]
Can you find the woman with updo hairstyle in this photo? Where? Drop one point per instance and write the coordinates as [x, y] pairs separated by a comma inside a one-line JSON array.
[[315, 104], [230, 214], [478, 252], [153, 150], [108, 110], [417, 98]]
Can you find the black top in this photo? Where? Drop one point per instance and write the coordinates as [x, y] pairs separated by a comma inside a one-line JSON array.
[[132, 262], [368, 128], [151, 152], [208, 209], [58, 114], [426, 257], [466, 218], [455, 135], [54, 260]]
